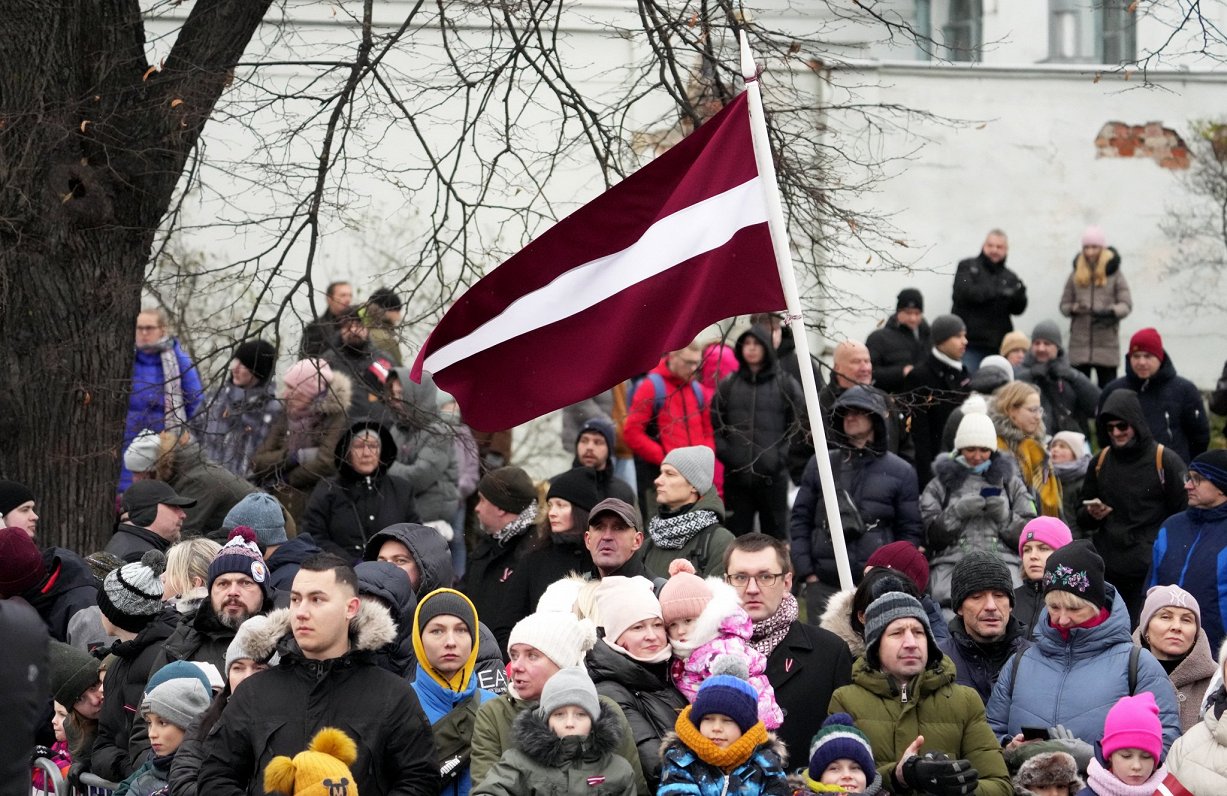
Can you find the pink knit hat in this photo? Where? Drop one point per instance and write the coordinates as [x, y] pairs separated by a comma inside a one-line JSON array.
[[311, 376], [1093, 236], [685, 594], [1133, 723], [1048, 530], [1163, 596]]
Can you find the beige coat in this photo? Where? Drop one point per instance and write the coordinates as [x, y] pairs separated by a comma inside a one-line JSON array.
[[1190, 678], [1096, 340]]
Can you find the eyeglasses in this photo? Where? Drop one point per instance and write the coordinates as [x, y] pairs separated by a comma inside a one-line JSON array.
[[1038, 411], [1116, 425], [364, 445], [1194, 480], [763, 579]]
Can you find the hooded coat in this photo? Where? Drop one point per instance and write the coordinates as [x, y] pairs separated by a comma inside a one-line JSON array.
[[285, 561], [1140, 495], [426, 450], [348, 509], [281, 709], [1095, 309], [647, 698], [985, 295], [948, 715], [389, 584], [705, 550], [894, 347], [1172, 406], [1190, 551], [1074, 683], [539, 763], [883, 503], [236, 423]]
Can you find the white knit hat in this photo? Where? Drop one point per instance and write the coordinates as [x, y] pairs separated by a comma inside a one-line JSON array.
[[143, 452], [563, 637], [976, 431]]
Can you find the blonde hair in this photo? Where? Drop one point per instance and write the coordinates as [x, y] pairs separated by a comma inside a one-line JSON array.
[[1067, 600], [1013, 395], [186, 561]]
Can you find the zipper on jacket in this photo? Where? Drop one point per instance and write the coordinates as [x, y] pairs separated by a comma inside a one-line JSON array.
[[725, 789], [903, 693]]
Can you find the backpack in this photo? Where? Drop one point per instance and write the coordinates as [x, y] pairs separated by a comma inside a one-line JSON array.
[[652, 428], [454, 738], [1103, 454]]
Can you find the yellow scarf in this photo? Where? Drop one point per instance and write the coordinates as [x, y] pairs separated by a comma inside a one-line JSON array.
[[1082, 270], [1036, 472], [725, 758]]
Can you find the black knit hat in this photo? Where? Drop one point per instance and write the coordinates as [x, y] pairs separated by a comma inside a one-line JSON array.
[[447, 602], [1077, 569], [386, 299], [12, 495], [1212, 466], [910, 299], [979, 571], [73, 672], [508, 488], [257, 356], [577, 487]]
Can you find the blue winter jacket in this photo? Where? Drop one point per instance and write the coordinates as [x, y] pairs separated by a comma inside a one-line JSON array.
[[146, 403], [1191, 552], [437, 702], [684, 773], [1074, 684]]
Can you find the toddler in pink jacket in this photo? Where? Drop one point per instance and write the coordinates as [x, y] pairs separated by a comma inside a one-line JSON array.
[[704, 620]]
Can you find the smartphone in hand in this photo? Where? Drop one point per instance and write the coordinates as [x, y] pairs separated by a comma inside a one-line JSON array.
[[990, 491]]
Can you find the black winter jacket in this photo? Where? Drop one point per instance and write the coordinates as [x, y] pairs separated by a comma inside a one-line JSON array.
[[977, 665], [805, 669], [645, 694], [882, 487], [345, 511], [1028, 602], [66, 598], [985, 295], [935, 390], [130, 542], [550, 559], [1140, 496], [387, 582], [894, 347], [285, 561], [1069, 398], [430, 554], [277, 712], [1172, 406], [493, 583], [200, 637]]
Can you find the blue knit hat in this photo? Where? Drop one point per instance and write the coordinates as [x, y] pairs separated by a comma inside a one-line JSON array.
[[839, 739], [726, 692], [178, 670], [262, 513]]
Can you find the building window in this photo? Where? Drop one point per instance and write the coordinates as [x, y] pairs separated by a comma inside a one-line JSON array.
[[961, 32], [1120, 33], [1091, 31]]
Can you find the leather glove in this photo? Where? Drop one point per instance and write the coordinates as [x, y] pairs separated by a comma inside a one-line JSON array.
[[969, 506], [997, 508], [937, 774]]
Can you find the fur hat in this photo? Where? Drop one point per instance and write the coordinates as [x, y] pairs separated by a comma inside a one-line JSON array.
[[839, 739], [1159, 597], [1012, 342], [131, 596], [945, 327], [240, 555], [976, 431], [907, 559], [1133, 723], [143, 452], [1048, 530], [684, 595], [12, 495], [564, 638], [322, 770], [726, 692], [1077, 569], [508, 488], [1048, 769], [979, 570], [21, 563], [73, 672], [886, 609], [1147, 340], [179, 701], [258, 356], [696, 463], [570, 686], [262, 513]]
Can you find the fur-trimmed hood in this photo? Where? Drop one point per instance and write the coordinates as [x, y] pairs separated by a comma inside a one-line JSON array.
[[837, 618], [532, 735], [371, 629], [952, 474]]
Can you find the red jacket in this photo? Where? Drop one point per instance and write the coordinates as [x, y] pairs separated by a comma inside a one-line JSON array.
[[682, 420]]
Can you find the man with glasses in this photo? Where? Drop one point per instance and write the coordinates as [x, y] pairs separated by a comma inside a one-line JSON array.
[[805, 664], [1130, 487], [1189, 550], [1068, 397]]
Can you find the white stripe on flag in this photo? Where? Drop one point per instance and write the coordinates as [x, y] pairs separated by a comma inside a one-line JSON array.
[[672, 240]]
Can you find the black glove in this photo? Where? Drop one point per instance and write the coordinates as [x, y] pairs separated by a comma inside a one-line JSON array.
[[1107, 315], [1010, 290], [937, 774]]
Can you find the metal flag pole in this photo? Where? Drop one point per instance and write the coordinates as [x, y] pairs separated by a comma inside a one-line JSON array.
[[783, 261]]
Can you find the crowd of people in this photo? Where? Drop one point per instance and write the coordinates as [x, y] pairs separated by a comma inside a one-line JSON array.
[[323, 581]]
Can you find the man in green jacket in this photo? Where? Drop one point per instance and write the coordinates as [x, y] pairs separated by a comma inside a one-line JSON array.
[[904, 688]]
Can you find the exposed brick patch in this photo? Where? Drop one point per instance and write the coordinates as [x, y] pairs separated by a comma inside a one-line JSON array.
[[1150, 140]]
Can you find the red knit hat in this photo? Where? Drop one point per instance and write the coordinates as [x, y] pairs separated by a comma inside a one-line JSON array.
[[904, 557], [1147, 340], [21, 563]]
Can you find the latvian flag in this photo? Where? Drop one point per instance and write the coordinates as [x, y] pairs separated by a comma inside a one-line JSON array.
[[640, 270]]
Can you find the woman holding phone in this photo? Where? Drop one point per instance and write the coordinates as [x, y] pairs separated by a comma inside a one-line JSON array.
[[976, 501]]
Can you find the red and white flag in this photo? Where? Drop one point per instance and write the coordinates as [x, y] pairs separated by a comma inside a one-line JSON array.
[[640, 270]]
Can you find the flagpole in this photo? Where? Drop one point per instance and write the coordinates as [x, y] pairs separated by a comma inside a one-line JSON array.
[[783, 261]]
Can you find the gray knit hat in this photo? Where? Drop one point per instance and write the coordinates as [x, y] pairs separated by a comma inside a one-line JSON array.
[[886, 609], [73, 672], [447, 602], [131, 596], [262, 513], [697, 464], [1047, 330], [242, 645], [979, 571], [945, 327], [570, 686], [179, 701]]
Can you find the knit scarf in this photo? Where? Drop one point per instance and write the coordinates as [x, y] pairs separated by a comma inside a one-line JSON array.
[[726, 758], [523, 521], [873, 788], [1105, 783], [768, 633], [670, 533], [173, 407]]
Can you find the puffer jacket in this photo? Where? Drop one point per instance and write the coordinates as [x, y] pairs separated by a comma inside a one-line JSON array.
[[539, 763], [1034, 468], [955, 528], [647, 698], [705, 550], [345, 511], [1190, 551], [756, 416], [1199, 757], [236, 423], [892, 348], [279, 711], [1067, 396], [494, 733], [686, 774], [1095, 310], [1074, 683], [1172, 406], [1141, 497], [387, 583], [724, 628], [429, 551], [985, 295], [949, 716], [1190, 678], [426, 450], [147, 401], [67, 599], [880, 485]]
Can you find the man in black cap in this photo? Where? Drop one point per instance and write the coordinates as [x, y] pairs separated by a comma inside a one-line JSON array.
[[902, 343], [614, 535], [937, 386], [17, 507], [153, 520], [983, 634]]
